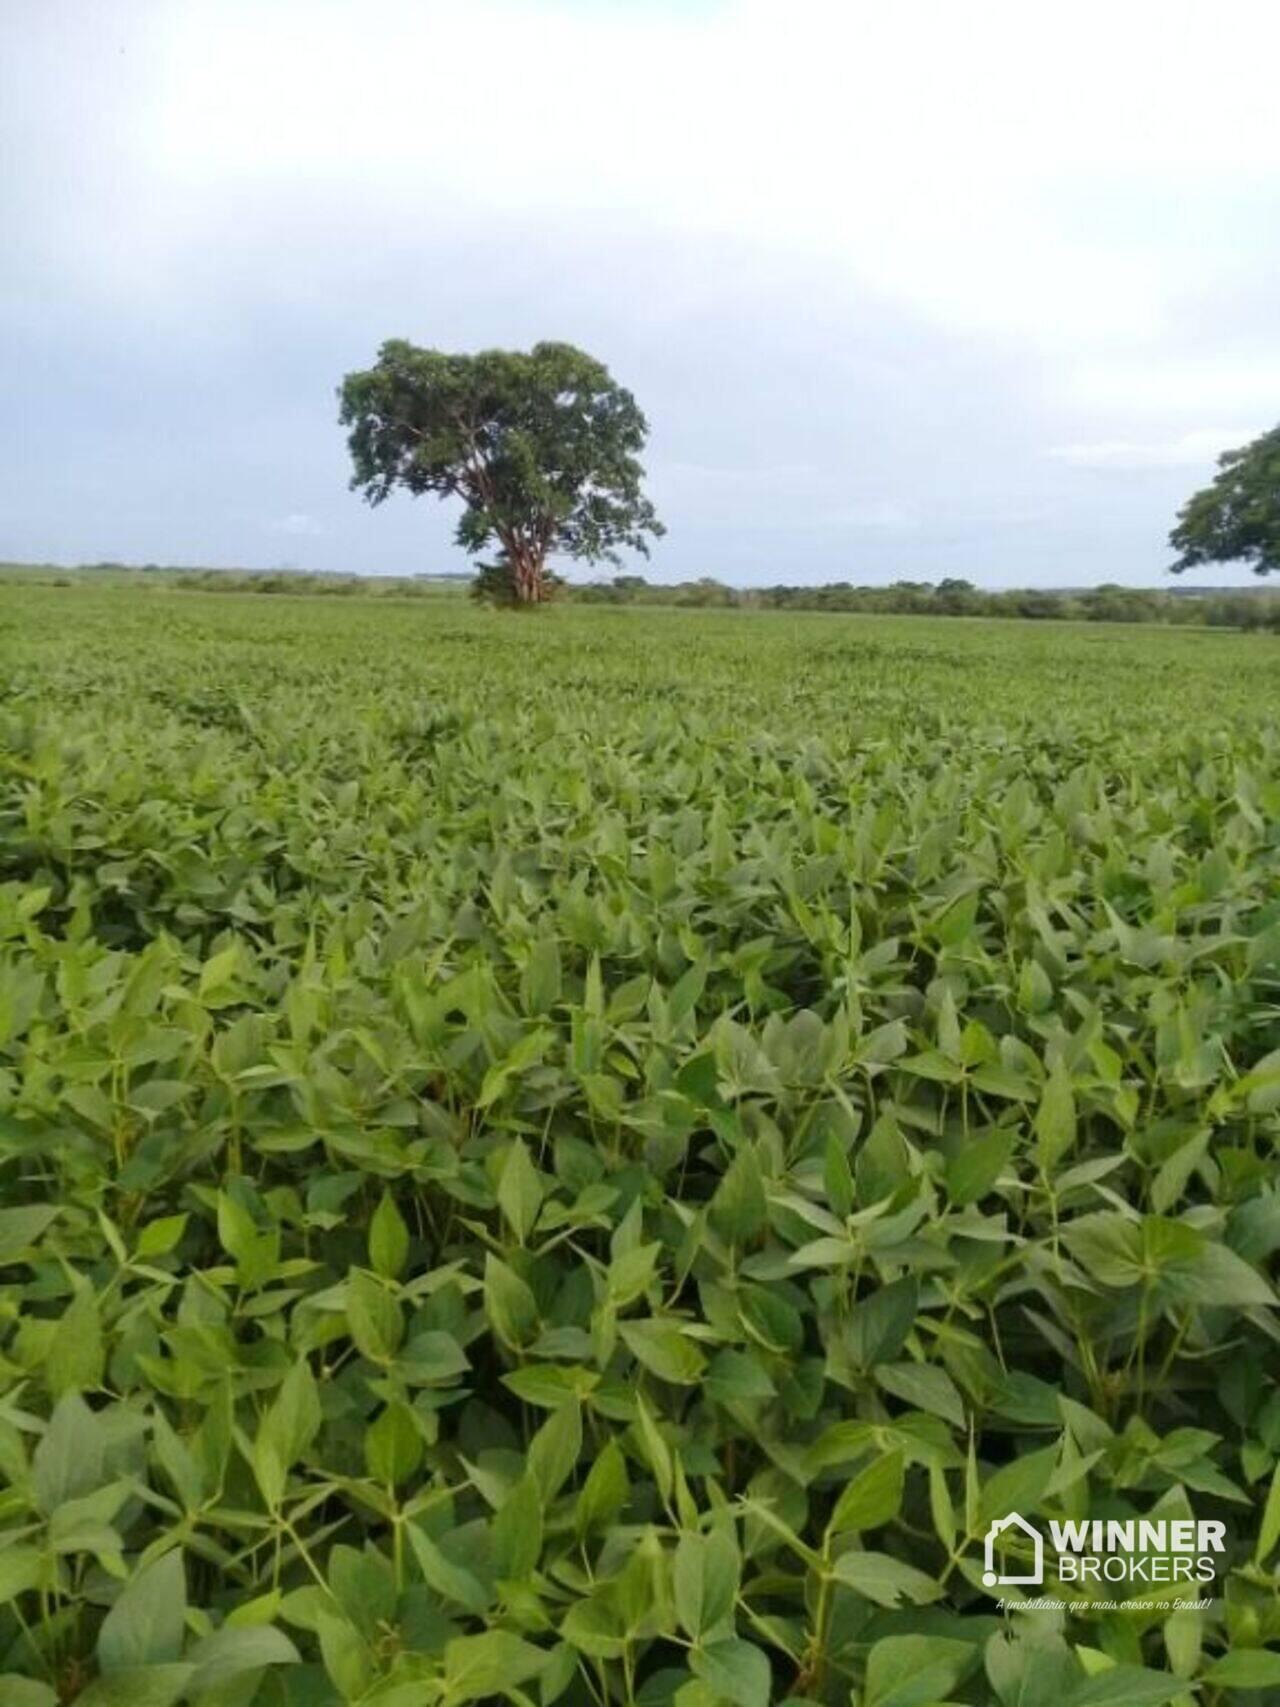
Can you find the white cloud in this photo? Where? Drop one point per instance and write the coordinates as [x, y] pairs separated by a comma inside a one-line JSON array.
[[1205, 382], [860, 261], [1191, 450], [956, 158], [684, 477], [877, 516], [297, 526]]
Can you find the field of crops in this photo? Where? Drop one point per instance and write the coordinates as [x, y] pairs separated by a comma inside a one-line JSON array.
[[588, 1157]]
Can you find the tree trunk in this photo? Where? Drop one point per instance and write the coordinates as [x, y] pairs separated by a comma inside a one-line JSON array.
[[530, 586]]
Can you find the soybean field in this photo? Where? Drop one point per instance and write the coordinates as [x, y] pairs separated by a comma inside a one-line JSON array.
[[590, 1156]]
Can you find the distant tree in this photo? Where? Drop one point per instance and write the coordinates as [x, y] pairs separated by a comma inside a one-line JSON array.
[[1237, 517], [1036, 606], [541, 447], [1111, 602], [956, 597], [704, 593]]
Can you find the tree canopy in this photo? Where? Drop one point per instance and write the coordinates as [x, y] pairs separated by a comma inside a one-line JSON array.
[[542, 447], [1236, 518]]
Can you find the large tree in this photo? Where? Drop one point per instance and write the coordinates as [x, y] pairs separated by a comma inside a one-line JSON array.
[[541, 447], [1236, 518]]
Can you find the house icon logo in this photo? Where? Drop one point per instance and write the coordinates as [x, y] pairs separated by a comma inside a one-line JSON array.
[[990, 1575]]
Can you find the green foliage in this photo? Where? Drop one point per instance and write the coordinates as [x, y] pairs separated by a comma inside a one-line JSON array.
[[542, 448], [499, 584], [1236, 518], [616, 1225], [1251, 608], [1247, 607]]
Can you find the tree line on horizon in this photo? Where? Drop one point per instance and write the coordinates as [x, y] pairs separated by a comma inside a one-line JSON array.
[[1108, 602], [1252, 608]]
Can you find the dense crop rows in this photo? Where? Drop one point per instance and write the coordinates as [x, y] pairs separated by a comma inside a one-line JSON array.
[[590, 1156]]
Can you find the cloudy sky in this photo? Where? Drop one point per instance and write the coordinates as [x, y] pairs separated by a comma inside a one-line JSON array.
[[936, 287]]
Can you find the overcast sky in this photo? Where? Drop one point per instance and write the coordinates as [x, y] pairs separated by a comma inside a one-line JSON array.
[[921, 288]]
